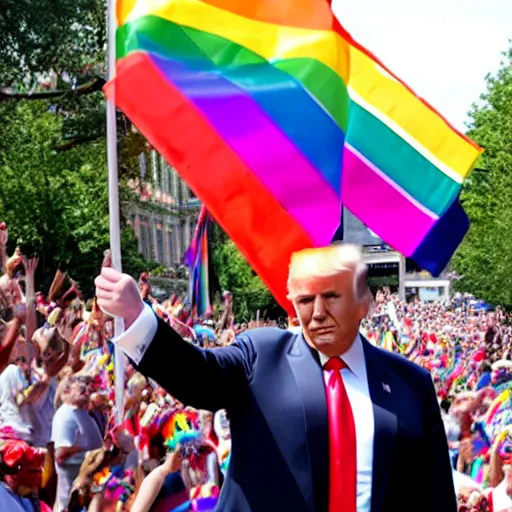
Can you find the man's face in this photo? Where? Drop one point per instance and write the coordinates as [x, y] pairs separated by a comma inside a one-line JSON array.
[[224, 421], [99, 402], [28, 481], [13, 265], [328, 311], [79, 393], [49, 356], [23, 365], [207, 422]]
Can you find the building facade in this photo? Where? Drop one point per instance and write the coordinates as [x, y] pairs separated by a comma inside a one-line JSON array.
[[165, 217], [388, 268]]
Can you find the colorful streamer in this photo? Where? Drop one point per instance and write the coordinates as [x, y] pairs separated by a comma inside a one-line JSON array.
[[499, 415], [274, 116], [196, 259]]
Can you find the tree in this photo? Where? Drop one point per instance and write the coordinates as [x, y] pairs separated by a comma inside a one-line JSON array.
[[53, 176], [233, 273], [484, 260], [56, 203], [45, 40], [56, 49]]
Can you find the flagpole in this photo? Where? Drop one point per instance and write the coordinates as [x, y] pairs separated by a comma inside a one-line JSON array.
[[113, 203]]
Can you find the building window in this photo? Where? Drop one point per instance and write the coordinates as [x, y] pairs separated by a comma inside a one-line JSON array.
[[169, 181], [142, 166], [183, 236], [163, 173], [151, 242], [184, 192], [144, 240], [191, 229], [170, 247], [154, 168], [176, 233], [159, 246], [174, 185]]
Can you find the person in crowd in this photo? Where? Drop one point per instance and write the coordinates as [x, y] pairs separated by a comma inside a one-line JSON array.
[[9, 284], [484, 377], [163, 489], [74, 432], [466, 350], [226, 320], [145, 288], [9, 338], [223, 432], [21, 470], [27, 391]]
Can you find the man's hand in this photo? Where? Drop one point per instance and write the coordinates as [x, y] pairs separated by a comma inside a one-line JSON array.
[[30, 265], [118, 295]]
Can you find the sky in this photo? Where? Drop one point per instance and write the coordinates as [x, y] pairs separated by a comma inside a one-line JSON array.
[[443, 49]]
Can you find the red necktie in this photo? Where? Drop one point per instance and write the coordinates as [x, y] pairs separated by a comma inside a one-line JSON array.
[[342, 442]]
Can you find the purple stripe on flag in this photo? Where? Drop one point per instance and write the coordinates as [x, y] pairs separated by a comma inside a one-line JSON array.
[[393, 215], [259, 142]]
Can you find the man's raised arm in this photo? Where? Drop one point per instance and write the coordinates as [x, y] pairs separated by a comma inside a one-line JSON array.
[[201, 378]]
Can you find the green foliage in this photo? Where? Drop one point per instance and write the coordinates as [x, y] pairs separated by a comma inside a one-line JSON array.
[[57, 45], [235, 274], [60, 35], [484, 260], [56, 203], [53, 175]]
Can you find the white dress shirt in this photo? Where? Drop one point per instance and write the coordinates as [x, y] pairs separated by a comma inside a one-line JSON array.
[[135, 341], [137, 338]]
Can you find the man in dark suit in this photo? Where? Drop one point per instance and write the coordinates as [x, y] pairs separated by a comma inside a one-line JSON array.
[[320, 420]]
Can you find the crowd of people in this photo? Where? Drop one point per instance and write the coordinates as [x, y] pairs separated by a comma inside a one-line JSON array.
[[62, 447], [467, 350]]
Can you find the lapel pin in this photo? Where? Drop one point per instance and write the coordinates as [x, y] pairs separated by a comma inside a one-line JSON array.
[[386, 387]]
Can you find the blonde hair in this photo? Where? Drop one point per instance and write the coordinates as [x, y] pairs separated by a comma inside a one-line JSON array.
[[330, 261]]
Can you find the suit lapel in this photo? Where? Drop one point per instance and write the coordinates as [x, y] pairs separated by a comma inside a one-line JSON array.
[[385, 423], [308, 376]]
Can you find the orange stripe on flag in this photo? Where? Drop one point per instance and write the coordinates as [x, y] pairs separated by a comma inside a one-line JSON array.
[[314, 14]]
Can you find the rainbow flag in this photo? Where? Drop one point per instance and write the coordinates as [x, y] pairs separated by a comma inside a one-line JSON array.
[[196, 258], [274, 116]]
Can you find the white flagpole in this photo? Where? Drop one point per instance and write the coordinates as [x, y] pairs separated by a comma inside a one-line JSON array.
[[113, 203]]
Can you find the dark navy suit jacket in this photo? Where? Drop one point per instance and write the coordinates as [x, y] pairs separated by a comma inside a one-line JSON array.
[[271, 383]]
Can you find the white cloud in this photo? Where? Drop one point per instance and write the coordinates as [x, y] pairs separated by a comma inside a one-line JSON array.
[[442, 48]]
